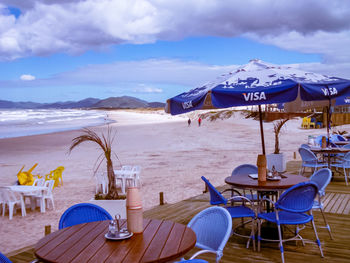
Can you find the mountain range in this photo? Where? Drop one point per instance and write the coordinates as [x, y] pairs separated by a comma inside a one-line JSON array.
[[124, 102]]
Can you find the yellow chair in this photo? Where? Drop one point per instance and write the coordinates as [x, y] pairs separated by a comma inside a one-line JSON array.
[[56, 175], [306, 123], [26, 178]]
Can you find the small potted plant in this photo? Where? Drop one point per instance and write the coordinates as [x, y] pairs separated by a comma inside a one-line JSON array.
[[112, 201], [276, 158]]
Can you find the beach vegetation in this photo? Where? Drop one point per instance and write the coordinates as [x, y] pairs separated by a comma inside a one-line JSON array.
[[105, 142], [277, 126]]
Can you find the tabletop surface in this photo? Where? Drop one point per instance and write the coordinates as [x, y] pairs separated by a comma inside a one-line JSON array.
[[329, 149], [160, 241], [342, 142], [243, 181], [26, 188]]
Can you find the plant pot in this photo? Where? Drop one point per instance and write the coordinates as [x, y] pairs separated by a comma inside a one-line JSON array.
[[277, 160], [113, 207]]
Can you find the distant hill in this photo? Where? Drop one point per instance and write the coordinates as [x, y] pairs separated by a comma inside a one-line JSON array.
[[124, 102]]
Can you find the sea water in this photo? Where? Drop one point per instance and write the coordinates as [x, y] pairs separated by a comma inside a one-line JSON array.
[[24, 122]]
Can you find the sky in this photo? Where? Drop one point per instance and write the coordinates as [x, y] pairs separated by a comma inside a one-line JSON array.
[[69, 50]]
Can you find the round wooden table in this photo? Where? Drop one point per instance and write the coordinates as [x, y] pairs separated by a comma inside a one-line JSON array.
[[341, 143], [160, 241], [243, 181], [328, 151]]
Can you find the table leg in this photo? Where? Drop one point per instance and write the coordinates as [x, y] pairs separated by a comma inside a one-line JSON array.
[[123, 185], [42, 203], [23, 206]]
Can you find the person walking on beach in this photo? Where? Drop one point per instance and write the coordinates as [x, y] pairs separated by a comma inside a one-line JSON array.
[[199, 121], [189, 122]]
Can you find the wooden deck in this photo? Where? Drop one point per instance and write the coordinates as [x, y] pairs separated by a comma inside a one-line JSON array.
[[337, 207]]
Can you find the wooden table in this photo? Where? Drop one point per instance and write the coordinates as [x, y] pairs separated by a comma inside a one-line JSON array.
[[329, 151], [243, 181], [160, 241], [341, 143]]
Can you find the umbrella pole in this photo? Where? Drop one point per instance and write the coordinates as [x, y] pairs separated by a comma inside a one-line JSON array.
[[261, 131], [328, 120]]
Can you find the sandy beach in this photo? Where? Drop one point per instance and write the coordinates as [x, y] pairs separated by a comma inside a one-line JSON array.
[[172, 155]]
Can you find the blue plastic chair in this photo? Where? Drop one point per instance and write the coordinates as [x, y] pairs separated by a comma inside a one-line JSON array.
[[241, 211], [305, 146], [213, 228], [245, 169], [322, 178], [345, 164], [83, 213], [309, 159], [4, 259], [337, 138], [290, 209]]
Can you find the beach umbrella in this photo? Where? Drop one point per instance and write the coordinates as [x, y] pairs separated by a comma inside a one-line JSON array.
[[258, 83]]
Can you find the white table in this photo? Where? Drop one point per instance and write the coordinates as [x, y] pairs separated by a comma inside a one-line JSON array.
[[27, 190]]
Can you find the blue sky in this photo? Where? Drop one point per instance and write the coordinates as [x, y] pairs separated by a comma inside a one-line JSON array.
[[71, 50]]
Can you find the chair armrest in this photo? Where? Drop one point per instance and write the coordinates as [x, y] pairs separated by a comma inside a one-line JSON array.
[[240, 197], [231, 190], [265, 199], [202, 252]]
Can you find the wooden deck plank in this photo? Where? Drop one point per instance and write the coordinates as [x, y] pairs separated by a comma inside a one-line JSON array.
[[347, 208], [339, 198], [331, 202], [344, 199]]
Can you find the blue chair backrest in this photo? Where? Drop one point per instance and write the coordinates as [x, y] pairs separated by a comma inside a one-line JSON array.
[[298, 198], [4, 259], [346, 146], [213, 227], [346, 159], [305, 146], [322, 178], [337, 138], [83, 213], [216, 198], [307, 155], [245, 169]]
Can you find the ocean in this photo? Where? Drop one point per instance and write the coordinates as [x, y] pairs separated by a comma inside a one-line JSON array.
[[24, 122]]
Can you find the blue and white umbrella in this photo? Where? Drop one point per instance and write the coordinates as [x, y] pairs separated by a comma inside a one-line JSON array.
[[258, 83]]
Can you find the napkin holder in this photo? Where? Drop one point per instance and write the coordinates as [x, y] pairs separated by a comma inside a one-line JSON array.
[[134, 211], [261, 163]]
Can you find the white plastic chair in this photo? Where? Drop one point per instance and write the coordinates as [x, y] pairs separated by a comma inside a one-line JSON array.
[[101, 183], [39, 182], [11, 199], [134, 178], [47, 194], [123, 175]]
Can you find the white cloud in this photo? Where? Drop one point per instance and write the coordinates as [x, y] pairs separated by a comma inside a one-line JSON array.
[[142, 88], [47, 27], [149, 75], [27, 77]]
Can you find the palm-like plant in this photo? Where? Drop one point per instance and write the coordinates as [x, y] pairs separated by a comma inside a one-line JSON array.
[[105, 142], [277, 126]]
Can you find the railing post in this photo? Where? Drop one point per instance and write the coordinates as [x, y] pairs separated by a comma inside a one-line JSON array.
[[161, 198], [47, 230]]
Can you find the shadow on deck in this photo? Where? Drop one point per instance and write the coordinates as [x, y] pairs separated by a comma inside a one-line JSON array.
[[337, 207]]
